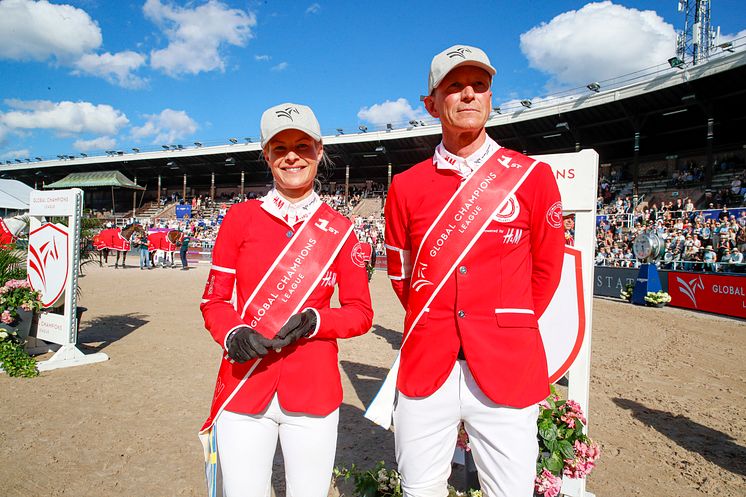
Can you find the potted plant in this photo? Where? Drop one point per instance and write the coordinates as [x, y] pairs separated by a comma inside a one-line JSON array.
[[657, 299], [18, 302]]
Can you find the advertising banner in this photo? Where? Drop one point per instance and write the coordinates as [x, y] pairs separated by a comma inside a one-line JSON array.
[[708, 292], [183, 211]]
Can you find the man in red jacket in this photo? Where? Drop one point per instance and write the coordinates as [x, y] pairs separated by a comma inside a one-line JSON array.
[[474, 241]]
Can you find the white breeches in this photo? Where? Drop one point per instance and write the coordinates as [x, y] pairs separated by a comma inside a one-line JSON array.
[[503, 439], [247, 443]]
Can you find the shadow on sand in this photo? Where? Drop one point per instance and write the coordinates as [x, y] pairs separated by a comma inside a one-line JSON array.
[[715, 446], [98, 333]]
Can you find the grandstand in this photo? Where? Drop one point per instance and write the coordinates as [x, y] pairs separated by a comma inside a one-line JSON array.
[[648, 129]]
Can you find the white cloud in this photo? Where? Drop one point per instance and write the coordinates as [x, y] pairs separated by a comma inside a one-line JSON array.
[[280, 67], [65, 118], [15, 154], [115, 68], [314, 8], [263, 58], [396, 112], [168, 126], [597, 42], [728, 37], [196, 35], [40, 30], [100, 143]]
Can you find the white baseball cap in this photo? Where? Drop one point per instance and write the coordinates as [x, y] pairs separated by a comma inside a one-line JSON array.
[[453, 57], [289, 116]]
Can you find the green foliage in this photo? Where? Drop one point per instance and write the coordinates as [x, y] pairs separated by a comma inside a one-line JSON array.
[[382, 482], [376, 482], [626, 294], [14, 359], [12, 265]]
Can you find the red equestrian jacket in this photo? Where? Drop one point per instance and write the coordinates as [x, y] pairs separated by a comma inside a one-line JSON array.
[[305, 375], [490, 305]]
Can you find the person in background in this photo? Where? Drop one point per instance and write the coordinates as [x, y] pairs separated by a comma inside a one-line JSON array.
[[183, 249]]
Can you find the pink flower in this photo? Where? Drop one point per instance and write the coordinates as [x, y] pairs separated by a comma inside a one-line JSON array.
[[547, 484], [4, 290], [27, 306], [584, 461], [5, 317]]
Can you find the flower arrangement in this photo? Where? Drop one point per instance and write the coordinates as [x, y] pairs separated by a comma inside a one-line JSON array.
[[626, 293], [383, 482], [564, 450], [376, 482], [14, 295], [657, 298]]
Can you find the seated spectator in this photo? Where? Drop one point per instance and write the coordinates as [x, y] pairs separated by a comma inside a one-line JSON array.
[[709, 257]]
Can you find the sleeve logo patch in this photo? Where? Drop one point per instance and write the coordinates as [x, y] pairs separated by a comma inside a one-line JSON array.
[[554, 215], [358, 255]]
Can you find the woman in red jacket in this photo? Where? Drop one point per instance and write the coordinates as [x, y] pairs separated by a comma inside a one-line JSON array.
[[275, 264]]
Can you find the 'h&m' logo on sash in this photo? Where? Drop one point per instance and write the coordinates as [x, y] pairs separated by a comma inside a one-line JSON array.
[[287, 112]]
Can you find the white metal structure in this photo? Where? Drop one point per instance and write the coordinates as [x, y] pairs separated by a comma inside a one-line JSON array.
[[59, 329]]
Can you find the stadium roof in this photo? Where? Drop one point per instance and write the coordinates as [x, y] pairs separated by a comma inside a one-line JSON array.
[[668, 107], [14, 194], [93, 179]]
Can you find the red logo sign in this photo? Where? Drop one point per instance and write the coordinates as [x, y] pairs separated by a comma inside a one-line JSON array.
[[47, 262], [707, 292]]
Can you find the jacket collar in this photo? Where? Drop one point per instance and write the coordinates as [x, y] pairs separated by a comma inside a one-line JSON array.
[[464, 166], [289, 212]]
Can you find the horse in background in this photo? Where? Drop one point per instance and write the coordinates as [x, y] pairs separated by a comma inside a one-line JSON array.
[[164, 244], [117, 239], [11, 228]]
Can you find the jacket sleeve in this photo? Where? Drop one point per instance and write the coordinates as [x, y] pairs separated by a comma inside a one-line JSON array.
[[355, 316], [547, 238], [218, 299], [398, 244]]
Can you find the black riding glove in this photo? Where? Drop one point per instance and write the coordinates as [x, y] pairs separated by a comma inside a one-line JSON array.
[[298, 326], [246, 343]]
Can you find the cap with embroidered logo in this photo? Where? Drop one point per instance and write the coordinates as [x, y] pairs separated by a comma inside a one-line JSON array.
[[289, 116], [453, 57]]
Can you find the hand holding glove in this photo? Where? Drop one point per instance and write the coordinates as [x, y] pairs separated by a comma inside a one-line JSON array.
[[298, 326], [245, 344]]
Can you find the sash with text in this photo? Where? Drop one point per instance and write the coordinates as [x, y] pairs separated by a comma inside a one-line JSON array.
[[446, 243], [281, 292]]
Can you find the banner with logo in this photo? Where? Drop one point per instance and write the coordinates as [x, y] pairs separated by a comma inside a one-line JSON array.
[[48, 262], [183, 211], [708, 292]]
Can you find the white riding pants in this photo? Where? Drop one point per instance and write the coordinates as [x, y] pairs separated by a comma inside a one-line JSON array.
[[503, 439], [247, 444]]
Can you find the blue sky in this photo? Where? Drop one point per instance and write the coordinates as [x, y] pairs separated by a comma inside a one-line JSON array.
[[93, 75]]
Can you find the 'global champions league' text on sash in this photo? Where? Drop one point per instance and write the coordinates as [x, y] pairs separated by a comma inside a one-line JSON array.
[[281, 292], [446, 243]]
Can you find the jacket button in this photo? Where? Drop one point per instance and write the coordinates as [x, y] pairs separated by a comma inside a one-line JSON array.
[[461, 314], [462, 270], [290, 234]]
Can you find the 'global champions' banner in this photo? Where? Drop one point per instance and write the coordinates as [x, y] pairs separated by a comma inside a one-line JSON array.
[[708, 292]]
